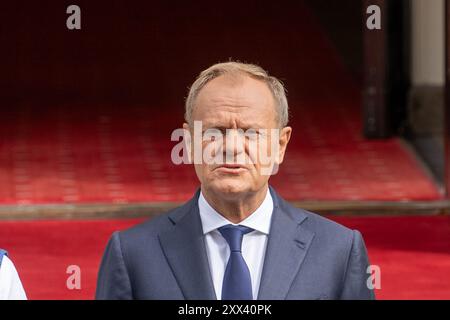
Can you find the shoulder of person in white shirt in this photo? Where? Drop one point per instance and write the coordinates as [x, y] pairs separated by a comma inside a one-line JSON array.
[[10, 285]]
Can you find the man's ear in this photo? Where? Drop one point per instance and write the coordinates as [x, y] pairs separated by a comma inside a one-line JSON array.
[[285, 136]]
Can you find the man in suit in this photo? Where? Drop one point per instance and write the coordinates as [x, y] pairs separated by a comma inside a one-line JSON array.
[[236, 238]]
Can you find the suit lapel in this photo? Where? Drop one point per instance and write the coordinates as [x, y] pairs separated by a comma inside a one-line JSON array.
[[286, 249], [185, 251]]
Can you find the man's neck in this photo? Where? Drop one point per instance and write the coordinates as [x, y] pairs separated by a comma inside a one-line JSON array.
[[236, 208]]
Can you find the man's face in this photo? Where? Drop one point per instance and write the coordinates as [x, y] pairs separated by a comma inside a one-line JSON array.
[[233, 105]]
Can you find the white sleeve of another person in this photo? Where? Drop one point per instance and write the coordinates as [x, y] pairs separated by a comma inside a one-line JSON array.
[[10, 285]]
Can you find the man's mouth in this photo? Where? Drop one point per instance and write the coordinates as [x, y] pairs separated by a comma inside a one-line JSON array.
[[230, 168]]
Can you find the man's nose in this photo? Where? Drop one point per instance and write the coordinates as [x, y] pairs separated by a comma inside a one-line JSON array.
[[234, 142]]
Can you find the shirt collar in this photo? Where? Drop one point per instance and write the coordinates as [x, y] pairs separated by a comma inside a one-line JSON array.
[[259, 220]]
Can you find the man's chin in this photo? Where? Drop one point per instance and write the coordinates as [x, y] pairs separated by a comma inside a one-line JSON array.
[[228, 188]]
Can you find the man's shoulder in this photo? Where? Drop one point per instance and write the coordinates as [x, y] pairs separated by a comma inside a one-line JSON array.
[[322, 227], [152, 227], [310, 220], [323, 224]]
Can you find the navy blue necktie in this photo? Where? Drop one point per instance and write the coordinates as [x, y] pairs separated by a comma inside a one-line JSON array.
[[237, 283]]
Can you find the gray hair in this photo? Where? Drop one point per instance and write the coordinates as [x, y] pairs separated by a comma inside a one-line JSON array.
[[233, 68]]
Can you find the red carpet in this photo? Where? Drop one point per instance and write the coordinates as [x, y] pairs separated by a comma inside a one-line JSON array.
[[412, 252], [124, 156]]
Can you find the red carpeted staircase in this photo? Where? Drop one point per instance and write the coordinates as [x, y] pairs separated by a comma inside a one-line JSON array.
[[103, 153]]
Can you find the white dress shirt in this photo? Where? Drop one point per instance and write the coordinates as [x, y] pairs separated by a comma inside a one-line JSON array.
[[253, 243], [10, 285]]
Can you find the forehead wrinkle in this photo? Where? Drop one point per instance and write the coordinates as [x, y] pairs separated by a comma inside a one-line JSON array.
[[230, 102], [232, 115], [231, 121], [232, 91], [234, 105]]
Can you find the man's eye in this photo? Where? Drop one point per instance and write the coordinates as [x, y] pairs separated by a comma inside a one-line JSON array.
[[252, 134]]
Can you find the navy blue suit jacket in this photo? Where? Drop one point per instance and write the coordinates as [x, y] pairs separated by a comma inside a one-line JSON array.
[[307, 257]]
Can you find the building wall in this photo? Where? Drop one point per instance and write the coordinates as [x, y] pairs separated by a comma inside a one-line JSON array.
[[426, 105], [427, 41]]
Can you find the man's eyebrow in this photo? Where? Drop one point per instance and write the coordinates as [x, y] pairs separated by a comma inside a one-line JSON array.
[[244, 126]]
